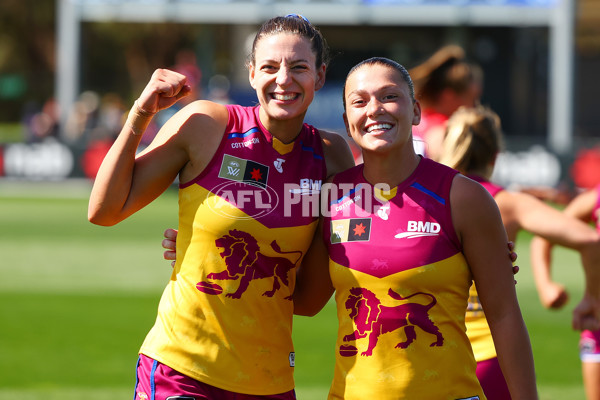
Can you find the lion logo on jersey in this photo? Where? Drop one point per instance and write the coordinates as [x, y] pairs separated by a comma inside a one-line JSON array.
[[373, 319], [245, 262]]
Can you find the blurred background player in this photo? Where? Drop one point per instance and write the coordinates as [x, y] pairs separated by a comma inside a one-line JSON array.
[[472, 142], [584, 207], [443, 83]]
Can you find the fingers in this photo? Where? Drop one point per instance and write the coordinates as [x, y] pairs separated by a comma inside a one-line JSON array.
[[168, 83], [553, 296], [169, 244], [585, 315], [170, 234], [511, 250], [170, 255], [185, 91], [560, 301], [586, 323], [163, 90]]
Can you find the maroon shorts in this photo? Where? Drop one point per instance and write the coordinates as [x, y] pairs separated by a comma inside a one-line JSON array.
[[156, 381], [492, 380]]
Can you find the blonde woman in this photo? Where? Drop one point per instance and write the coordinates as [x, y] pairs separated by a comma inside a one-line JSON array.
[[472, 142]]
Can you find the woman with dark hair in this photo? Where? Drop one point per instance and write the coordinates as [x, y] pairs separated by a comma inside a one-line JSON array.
[[401, 242], [224, 322]]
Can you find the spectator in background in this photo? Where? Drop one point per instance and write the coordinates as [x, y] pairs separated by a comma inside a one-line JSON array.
[[584, 207], [218, 89], [472, 141], [186, 64], [41, 124], [82, 117], [443, 83]]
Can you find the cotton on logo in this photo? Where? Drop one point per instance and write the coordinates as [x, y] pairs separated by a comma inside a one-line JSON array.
[[419, 228]]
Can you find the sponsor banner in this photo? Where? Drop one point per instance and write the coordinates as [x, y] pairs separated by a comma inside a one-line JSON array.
[[48, 160]]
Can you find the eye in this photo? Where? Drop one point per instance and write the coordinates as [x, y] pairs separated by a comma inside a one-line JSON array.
[[391, 96], [357, 102], [268, 68]]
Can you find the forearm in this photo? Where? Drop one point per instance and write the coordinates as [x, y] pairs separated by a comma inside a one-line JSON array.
[[313, 282], [541, 261], [513, 347], [113, 182], [590, 258]]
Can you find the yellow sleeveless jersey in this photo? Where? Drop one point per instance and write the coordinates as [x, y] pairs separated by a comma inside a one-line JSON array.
[[225, 317], [402, 286]]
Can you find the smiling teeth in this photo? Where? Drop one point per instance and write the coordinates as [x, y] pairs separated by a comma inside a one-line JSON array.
[[378, 127], [284, 97]]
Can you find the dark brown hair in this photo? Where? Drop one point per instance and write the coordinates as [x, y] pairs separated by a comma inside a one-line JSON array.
[[297, 25]]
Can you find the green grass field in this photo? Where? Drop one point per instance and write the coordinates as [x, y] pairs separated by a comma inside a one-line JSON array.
[[76, 301]]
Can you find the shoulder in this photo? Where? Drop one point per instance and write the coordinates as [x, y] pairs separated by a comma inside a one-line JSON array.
[[466, 191], [199, 128], [469, 200], [473, 208], [198, 116], [338, 156], [200, 120], [206, 110]]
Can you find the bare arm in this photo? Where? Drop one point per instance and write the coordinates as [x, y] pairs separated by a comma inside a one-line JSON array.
[[474, 212], [127, 182], [563, 229], [338, 156], [313, 282], [551, 294], [122, 183]]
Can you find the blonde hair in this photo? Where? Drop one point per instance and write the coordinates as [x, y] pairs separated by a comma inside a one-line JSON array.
[[473, 139]]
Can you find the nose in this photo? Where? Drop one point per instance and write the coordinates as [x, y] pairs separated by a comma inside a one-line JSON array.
[[375, 107], [283, 76]]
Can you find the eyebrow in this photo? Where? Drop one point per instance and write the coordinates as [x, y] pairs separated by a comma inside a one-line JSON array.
[[387, 87], [301, 60]]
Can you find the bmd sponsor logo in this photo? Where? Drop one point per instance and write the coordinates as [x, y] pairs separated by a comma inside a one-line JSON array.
[[417, 229]]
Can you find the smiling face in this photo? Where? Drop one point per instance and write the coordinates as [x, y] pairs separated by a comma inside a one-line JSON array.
[[285, 77], [380, 110]]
